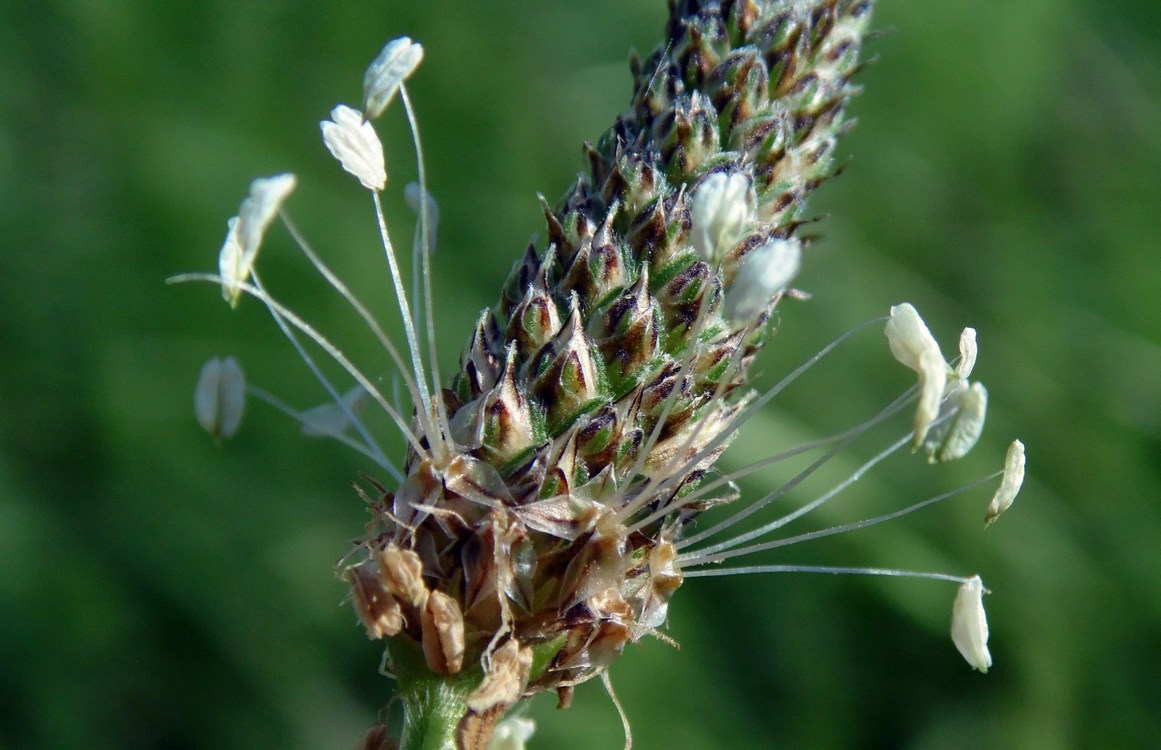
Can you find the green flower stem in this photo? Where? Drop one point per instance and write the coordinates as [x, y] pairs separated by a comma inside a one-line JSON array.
[[433, 704]]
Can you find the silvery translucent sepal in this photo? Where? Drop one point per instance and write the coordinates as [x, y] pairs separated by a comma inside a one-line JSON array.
[[421, 201], [333, 419]]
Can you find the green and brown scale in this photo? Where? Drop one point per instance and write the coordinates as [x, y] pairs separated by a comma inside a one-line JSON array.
[[606, 381]]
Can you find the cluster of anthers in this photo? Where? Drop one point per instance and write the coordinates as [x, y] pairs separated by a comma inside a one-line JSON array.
[[545, 512]]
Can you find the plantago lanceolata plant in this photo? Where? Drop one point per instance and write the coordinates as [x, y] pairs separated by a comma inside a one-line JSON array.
[[547, 508]]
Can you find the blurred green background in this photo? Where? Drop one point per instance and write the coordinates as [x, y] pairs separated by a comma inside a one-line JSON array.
[[161, 591]]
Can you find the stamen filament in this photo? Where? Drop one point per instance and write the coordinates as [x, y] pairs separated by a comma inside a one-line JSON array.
[[847, 435], [345, 292], [812, 505], [753, 508], [828, 569], [702, 558], [314, 368], [424, 233], [642, 499], [374, 454], [283, 314], [608, 683], [423, 408]]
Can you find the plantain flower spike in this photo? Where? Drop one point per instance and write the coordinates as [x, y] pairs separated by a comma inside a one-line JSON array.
[[548, 505]]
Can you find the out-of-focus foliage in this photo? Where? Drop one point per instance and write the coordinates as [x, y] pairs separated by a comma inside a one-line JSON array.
[[159, 590]]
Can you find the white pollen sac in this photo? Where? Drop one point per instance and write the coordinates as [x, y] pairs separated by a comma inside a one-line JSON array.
[[720, 208], [765, 271], [913, 345], [387, 72], [258, 211], [356, 145], [220, 397], [969, 624], [244, 232], [909, 337], [952, 439], [967, 353], [233, 265], [1010, 483], [932, 385]]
